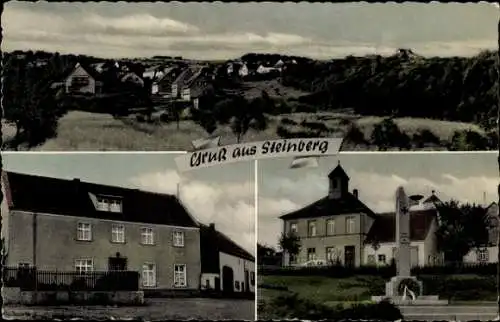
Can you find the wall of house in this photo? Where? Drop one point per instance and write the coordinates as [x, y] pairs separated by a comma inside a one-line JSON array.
[[79, 71], [418, 256], [432, 255], [208, 278], [186, 94], [238, 265], [339, 240], [472, 256], [57, 247]]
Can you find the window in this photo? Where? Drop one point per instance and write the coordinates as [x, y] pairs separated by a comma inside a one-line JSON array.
[[252, 278], [331, 254], [237, 285], [118, 233], [330, 227], [79, 81], [293, 228], [371, 259], [482, 255], [207, 283], [178, 238], [312, 228], [84, 265], [311, 254], [382, 258], [149, 275], [147, 236], [109, 204], [180, 275], [350, 223], [84, 231], [293, 259]]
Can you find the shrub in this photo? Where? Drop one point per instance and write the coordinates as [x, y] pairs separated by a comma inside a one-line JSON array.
[[468, 140], [292, 306], [355, 135]]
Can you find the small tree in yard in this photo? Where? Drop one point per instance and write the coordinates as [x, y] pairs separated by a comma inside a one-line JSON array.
[[290, 243], [246, 116], [462, 227]]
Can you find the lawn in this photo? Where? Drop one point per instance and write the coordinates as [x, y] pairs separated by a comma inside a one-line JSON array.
[[331, 291], [323, 289], [83, 131]]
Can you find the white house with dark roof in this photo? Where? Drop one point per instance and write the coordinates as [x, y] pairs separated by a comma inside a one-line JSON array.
[[380, 245], [225, 265]]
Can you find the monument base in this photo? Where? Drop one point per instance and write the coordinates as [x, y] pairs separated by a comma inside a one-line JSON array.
[[391, 287], [392, 293]]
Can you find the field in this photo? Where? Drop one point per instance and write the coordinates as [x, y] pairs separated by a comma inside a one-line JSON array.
[[85, 131], [156, 309]]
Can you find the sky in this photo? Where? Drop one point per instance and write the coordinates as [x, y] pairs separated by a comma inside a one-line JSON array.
[[229, 30], [223, 195], [465, 177]]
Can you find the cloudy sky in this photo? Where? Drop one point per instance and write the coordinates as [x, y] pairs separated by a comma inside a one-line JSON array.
[[464, 177], [228, 30], [223, 195]]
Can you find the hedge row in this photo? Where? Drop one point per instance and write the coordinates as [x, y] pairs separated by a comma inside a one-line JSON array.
[[293, 307], [383, 271]]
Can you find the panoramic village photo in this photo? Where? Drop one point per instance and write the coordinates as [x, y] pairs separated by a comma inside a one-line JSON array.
[[156, 76], [125, 236], [409, 236]]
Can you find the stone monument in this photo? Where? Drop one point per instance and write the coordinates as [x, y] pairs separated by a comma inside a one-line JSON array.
[[403, 283]]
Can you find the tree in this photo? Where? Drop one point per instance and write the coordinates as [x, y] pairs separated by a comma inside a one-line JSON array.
[[245, 116], [387, 134], [290, 243], [461, 228]]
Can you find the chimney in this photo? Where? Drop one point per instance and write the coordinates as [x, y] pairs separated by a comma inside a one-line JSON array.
[[212, 226], [355, 192]]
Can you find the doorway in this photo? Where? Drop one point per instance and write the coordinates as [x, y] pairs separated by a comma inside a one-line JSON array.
[[117, 263], [349, 256], [227, 279]]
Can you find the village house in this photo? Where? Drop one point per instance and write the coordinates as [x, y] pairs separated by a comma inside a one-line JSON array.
[[102, 77], [163, 79], [333, 228], [83, 80], [380, 244], [73, 225], [225, 266], [191, 83], [487, 253]]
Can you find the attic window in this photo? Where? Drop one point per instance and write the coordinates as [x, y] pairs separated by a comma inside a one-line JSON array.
[[109, 204]]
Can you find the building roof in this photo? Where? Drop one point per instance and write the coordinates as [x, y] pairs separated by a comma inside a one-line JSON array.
[[214, 239], [383, 229], [432, 199], [326, 206], [338, 172], [71, 197]]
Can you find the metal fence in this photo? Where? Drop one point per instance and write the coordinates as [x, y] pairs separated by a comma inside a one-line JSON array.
[[31, 279]]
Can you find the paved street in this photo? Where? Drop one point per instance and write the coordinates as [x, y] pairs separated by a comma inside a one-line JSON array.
[[156, 309]]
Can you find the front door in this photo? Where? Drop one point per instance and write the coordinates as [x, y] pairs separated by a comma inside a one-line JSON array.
[[247, 281], [117, 263], [349, 256]]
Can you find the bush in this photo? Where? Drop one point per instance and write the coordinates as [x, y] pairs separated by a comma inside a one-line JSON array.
[[355, 135], [383, 271], [425, 137], [468, 140], [294, 307]]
